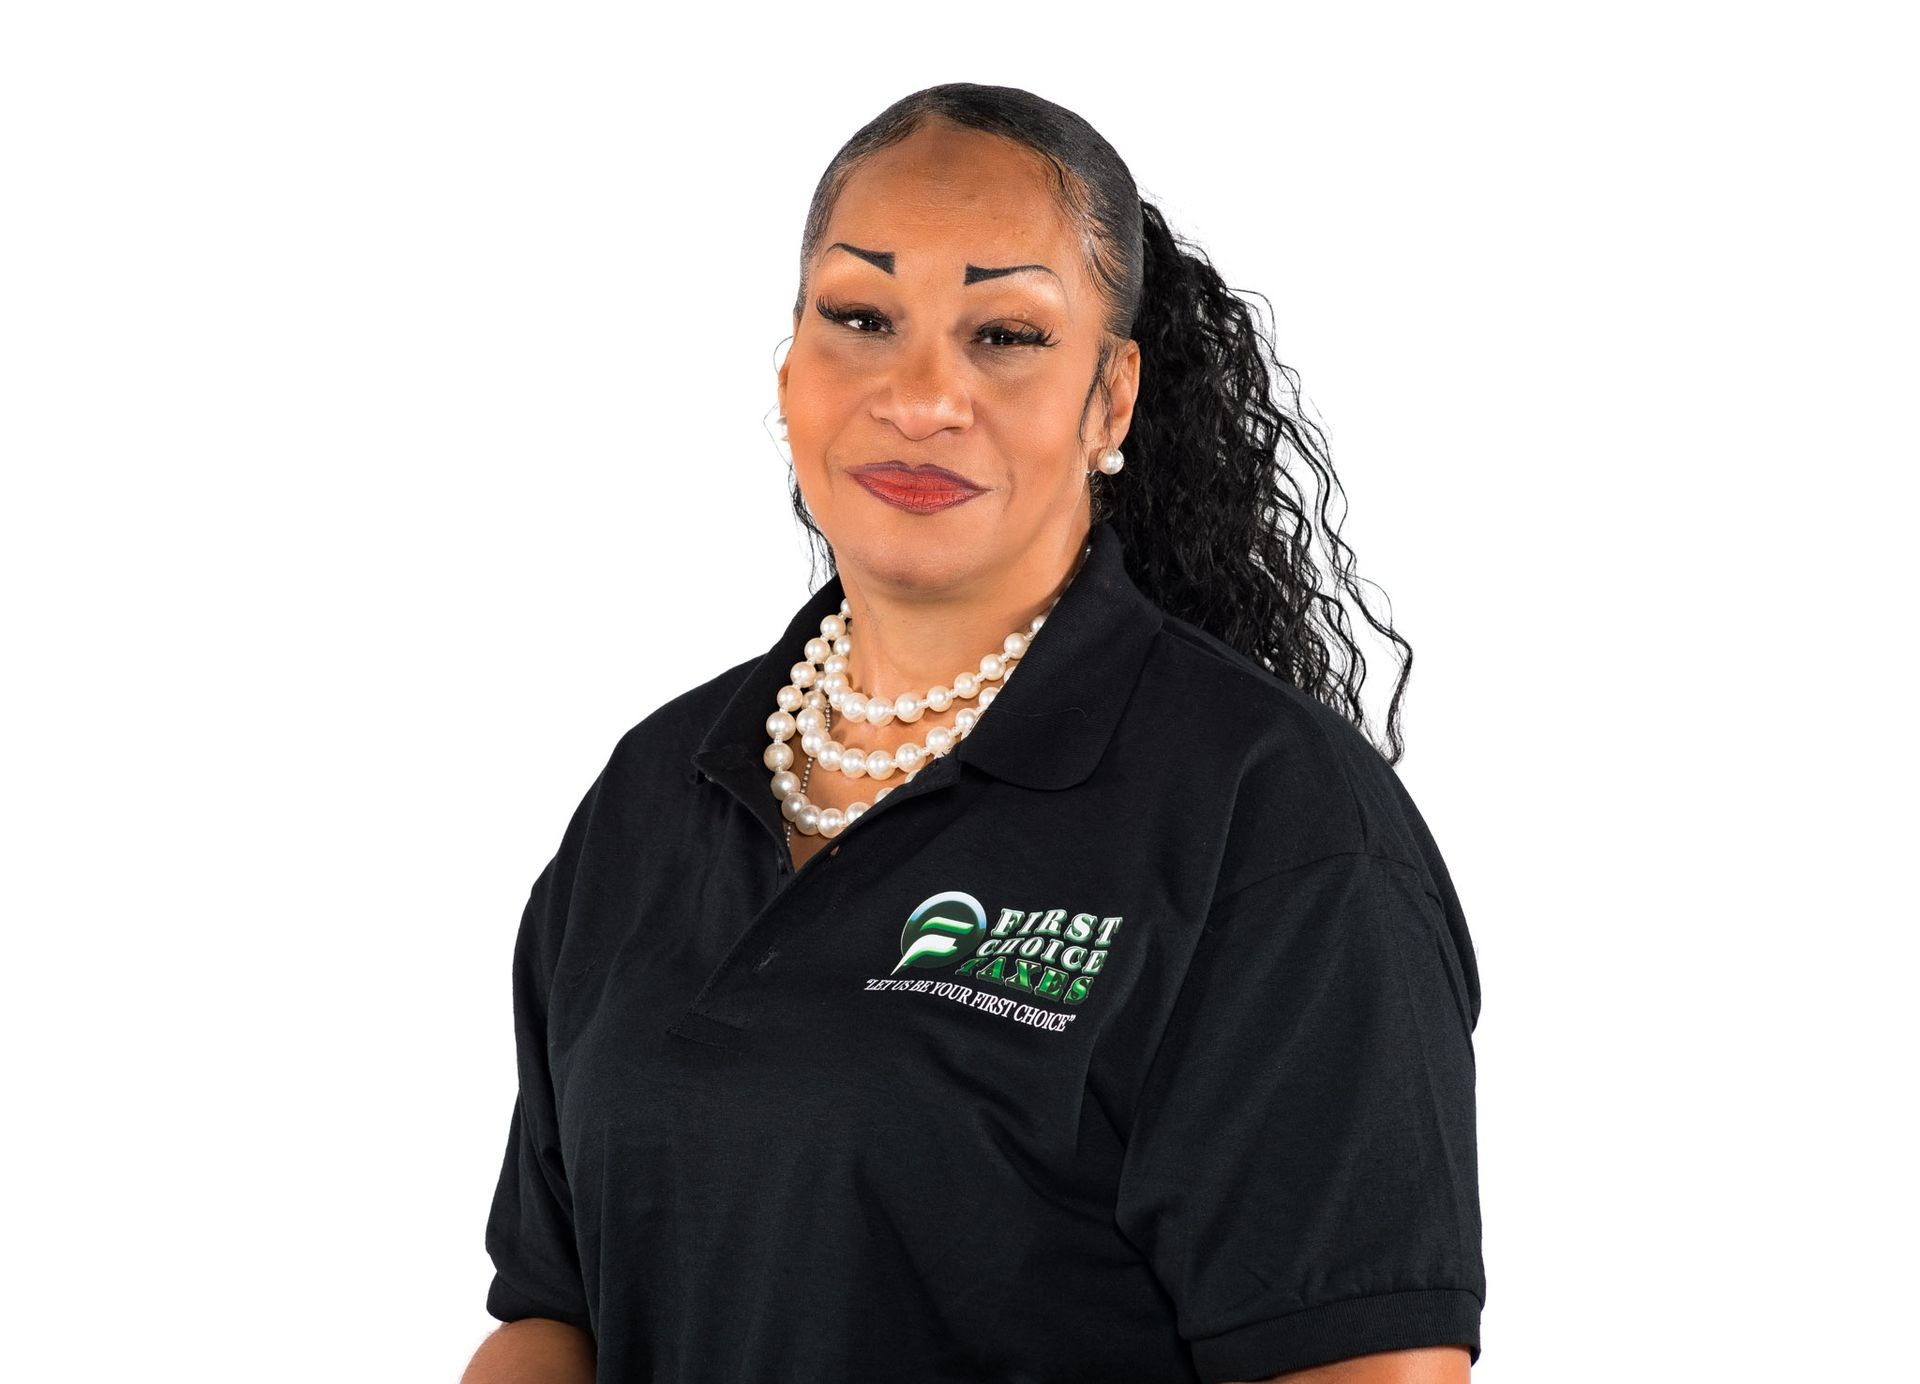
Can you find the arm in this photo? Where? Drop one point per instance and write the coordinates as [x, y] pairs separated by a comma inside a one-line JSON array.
[[534, 1350], [1428, 1365]]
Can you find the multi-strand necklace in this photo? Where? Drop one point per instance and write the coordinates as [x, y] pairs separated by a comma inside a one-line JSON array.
[[820, 687]]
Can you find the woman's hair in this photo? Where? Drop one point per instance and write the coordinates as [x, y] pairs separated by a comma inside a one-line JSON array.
[[1213, 521]]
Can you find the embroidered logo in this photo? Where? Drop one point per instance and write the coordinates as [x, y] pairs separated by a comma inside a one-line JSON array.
[[1049, 954]]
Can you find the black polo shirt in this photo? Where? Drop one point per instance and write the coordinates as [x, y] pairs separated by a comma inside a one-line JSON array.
[[1129, 1041]]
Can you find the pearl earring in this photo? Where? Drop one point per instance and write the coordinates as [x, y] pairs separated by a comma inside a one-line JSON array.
[[1111, 461]]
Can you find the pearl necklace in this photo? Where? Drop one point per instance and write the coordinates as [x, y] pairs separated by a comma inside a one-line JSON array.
[[819, 686]]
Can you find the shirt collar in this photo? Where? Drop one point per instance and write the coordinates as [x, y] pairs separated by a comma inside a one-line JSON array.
[[1049, 724]]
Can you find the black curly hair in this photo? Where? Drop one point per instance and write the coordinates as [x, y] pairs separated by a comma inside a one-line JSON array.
[[1214, 524]]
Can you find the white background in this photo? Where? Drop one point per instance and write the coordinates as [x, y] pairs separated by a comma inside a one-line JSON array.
[[381, 400]]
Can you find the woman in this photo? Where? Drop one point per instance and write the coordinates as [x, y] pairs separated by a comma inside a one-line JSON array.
[[1027, 968]]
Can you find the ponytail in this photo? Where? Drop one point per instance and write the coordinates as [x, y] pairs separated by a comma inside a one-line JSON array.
[[1210, 508]]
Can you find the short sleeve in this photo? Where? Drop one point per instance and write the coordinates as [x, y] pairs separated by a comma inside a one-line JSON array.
[[1301, 1169], [530, 1232]]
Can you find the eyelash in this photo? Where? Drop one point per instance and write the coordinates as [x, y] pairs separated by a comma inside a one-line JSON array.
[[1031, 336]]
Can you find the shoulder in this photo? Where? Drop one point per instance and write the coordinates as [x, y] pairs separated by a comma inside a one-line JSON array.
[[643, 766], [1306, 782], [664, 739], [650, 762]]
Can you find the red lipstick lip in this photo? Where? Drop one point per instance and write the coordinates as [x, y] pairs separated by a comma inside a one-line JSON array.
[[901, 475], [916, 489]]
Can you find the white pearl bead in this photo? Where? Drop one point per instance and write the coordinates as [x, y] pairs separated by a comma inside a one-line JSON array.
[[964, 719], [843, 646], [830, 756], [835, 664], [808, 718], [879, 764], [1038, 621], [779, 755], [992, 666], [853, 764], [966, 686], [939, 698], [832, 821], [808, 819], [939, 740], [813, 742], [791, 804], [817, 698], [908, 757], [987, 694], [801, 674], [790, 698], [1015, 645], [780, 726], [882, 793], [879, 711], [832, 626], [853, 707], [845, 609], [817, 650], [908, 707], [785, 782], [855, 811]]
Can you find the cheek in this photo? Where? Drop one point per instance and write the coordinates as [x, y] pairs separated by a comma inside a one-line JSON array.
[[1035, 412], [821, 388]]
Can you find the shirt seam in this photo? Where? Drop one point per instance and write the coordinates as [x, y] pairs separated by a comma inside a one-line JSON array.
[[1225, 899], [1342, 1301]]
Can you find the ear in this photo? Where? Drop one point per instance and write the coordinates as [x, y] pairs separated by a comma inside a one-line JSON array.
[[1123, 383]]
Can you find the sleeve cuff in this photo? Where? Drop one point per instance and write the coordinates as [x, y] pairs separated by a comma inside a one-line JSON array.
[[1339, 1331], [508, 1304]]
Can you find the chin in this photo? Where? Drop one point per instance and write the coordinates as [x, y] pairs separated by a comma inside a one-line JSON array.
[[912, 553]]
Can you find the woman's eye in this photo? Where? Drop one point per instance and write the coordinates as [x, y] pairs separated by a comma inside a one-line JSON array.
[[848, 317], [1025, 336]]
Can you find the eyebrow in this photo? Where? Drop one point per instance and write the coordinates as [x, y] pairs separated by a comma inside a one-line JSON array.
[[883, 261]]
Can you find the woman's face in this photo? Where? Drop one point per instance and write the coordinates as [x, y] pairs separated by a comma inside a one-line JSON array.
[[916, 347]]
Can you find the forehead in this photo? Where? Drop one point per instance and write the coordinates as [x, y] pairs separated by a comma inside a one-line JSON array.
[[946, 196]]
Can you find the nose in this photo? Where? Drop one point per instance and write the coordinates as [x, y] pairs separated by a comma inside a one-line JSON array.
[[925, 390]]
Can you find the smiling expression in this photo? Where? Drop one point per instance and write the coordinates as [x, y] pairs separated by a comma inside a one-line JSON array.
[[939, 391]]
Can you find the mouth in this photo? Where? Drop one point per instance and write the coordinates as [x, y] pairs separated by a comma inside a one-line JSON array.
[[916, 489]]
